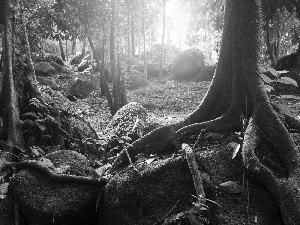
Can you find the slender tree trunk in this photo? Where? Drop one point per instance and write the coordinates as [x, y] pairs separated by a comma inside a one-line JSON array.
[[163, 40], [2, 53], [62, 53], [67, 50], [83, 48], [102, 57], [132, 36], [113, 61], [139, 29], [144, 38], [74, 46]]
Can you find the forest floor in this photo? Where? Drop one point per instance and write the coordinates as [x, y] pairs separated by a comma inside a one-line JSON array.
[[168, 101]]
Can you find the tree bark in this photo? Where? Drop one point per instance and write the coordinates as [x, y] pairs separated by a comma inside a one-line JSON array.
[[237, 95], [163, 40], [19, 82], [62, 53]]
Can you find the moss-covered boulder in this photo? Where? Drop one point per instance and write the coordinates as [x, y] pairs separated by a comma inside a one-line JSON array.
[[188, 64], [45, 201], [205, 74], [165, 188], [130, 123], [134, 80]]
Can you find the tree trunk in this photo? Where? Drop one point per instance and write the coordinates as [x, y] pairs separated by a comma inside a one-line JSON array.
[[163, 40], [144, 38], [62, 53], [237, 95], [74, 46], [113, 62], [102, 58], [67, 50], [19, 83], [132, 36], [83, 48]]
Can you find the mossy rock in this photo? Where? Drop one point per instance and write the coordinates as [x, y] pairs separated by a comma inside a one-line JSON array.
[[205, 74], [7, 216], [44, 201], [146, 196], [130, 123], [135, 81], [188, 64]]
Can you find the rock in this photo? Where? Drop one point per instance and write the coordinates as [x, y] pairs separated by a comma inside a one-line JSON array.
[[135, 81], [54, 58], [153, 70], [80, 88], [7, 215], [44, 201], [46, 82], [287, 62], [76, 59], [44, 69], [146, 196], [131, 121], [188, 64], [205, 74], [59, 68]]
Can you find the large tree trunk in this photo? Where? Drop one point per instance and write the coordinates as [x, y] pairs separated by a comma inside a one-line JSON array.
[[237, 95]]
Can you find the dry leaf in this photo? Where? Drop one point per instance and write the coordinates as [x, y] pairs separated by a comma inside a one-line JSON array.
[[231, 187], [236, 148]]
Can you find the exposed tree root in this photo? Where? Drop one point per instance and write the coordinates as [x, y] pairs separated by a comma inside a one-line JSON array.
[[231, 121], [290, 120], [266, 125], [33, 164]]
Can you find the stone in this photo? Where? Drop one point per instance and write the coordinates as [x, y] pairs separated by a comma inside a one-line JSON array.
[[205, 74], [131, 121], [153, 70], [80, 88], [43, 201], [188, 64], [134, 81], [44, 69]]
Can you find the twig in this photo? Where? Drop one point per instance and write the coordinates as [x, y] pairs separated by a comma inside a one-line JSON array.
[[200, 138], [87, 123], [167, 214], [131, 163]]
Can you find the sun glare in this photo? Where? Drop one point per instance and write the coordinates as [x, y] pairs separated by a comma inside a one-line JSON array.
[[176, 25]]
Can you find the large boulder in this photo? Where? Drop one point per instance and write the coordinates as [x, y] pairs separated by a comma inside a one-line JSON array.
[[7, 215], [164, 188], [59, 68], [44, 69], [188, 64], [80, 88], [153, 70], [130, 123], [76, 59], [54, 58], [205, 74], [45, 201], [135, 81]]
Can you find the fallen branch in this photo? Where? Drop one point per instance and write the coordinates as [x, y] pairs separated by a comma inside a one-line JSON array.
[[196, 174]]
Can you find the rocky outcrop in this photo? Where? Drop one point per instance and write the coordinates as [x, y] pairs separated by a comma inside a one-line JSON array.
[[42, 200], [44, 69], [135, 80]]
